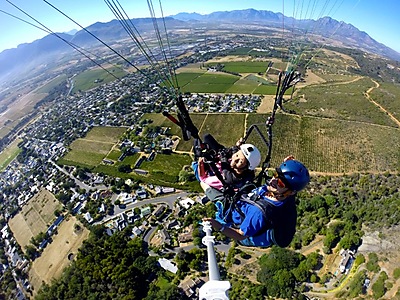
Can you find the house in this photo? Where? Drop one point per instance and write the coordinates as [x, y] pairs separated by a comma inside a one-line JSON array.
[[159, 211], [168, 265], [4, 232], [142, 194], [190, 286], [167, 190], [165, 237], [186, 203], [88, 217], [136, 231], [173, 224], [126, 198], [145, 211], [347, 257]]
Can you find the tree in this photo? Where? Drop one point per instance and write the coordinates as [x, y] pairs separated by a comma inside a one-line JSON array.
[[125, 168], [31, 252]]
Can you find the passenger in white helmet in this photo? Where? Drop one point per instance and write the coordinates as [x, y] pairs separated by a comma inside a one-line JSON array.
[[236, 164]]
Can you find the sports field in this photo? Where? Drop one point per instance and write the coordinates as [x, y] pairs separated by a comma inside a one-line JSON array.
[[35, 217]]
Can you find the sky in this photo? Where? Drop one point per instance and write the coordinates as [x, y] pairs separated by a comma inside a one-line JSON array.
[[378, 18]]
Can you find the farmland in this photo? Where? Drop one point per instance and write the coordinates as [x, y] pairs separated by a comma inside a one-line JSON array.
[[55, 256], [96, 77], [90, 150], [34, 218], [9, 153], [334, 127], [326, 145]]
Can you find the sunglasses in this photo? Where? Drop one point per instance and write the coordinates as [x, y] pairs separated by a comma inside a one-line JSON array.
[[281, 180]]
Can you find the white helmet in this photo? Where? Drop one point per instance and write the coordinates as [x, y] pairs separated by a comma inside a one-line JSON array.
[[252, 155]]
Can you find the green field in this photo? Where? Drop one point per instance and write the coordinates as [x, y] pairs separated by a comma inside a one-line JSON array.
[[52, 84], [325, 145], [224, 83], [90, 150], [86, 80], [339, 101], [97, 145], [388, 96], [105, 134], [8, 154], [244, 66], [210, 83], [332, 146]]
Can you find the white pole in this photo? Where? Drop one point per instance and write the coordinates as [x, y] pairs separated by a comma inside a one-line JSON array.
[[214, 289]]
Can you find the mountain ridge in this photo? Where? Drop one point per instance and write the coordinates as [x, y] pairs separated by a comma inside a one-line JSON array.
[[14, 60]]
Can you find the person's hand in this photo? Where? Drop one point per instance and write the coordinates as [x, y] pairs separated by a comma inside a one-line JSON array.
[[240, 142], [214, 223], [290, 157]]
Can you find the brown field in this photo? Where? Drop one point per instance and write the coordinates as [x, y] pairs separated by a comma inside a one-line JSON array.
[[267, 104], [55, 256], [35, 217], [18, 109]]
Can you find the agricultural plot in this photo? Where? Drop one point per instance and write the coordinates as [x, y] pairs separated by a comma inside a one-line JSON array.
[[185, 78], [163, 170], [17, 110], [226, 128], [388, 95], [35, 217], [192, 68], [339, 101], [90, 151], [96, 77], [52, 84], [210, 83], [8, 154], [247, 85], [332, 146], [56, 255], [244, 66], [114, 154], [105, 134]]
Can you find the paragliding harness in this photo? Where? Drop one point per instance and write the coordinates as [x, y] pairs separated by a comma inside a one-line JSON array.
[[286, 80]]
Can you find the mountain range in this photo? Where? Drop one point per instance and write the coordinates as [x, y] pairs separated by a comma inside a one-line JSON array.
[[40, 50]]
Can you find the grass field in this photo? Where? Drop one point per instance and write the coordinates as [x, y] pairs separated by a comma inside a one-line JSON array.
[[388, 96], [244, 66], [52, 84], [9, 153], [339, 101], [90, 150], [35, 217], [324, 144], [332, 146], [86, 80], [210, 83], [55, 256]]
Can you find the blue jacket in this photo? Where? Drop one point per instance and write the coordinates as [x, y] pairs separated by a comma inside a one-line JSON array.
[[276, 226]]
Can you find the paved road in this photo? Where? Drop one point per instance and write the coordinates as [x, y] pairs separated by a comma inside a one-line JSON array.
[[77, 181]]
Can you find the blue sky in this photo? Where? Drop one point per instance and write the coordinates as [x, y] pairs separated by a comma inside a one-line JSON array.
[[377, 18]]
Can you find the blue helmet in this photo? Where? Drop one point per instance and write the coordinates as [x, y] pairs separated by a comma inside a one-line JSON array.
[[294, 174]]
